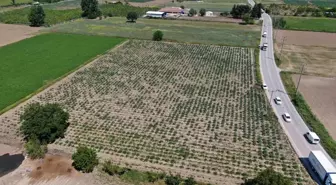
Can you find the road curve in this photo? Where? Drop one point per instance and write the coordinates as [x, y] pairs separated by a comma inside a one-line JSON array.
[[271, 76]]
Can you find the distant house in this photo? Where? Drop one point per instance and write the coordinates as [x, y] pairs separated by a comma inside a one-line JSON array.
[[175, 10], [155, 14], [209, 14]]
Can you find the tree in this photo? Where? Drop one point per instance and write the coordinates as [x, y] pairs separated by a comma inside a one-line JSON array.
[[132, 16], [172, 180], [189, 181], [256, 10], [85, 159], [13, 2], [239, 10], [46, 123], [279, 22], [269, 177], [192, 12], [182, 6], [158, 35], [90, 9], [36, 16], [34, 149], [247, 19], [202, 11]]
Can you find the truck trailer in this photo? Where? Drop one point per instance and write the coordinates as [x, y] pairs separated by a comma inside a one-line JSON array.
[[323, 167]]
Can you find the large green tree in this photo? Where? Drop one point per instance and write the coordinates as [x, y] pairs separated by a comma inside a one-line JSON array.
[[202, 12], [269, 177], [90, 9], [36, 16], [256, 10], [85, 159], [45, 123], [239, 10], [132, 16]]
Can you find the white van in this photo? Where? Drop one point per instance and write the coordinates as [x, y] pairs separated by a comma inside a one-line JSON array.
[[312, 137]]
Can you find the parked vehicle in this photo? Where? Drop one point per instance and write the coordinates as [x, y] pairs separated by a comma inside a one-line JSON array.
[[264, 46], [287, 117], [277, 100], [323, 167], [312, 137]]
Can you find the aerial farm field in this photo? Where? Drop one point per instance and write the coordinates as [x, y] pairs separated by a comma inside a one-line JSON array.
[[324, 3], [231, 34], [9, 2], [311, 24], [184, 108], [13, 33], [210, 5], [44, 58]]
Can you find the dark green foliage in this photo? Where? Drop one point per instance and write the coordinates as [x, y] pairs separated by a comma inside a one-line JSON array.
[[34, 149], [132, 16], [225, 14], [157, 35], [239, 10], [247, 19], [192, 12], [182, 7], [279, 22], [190, 181], [153, 177], [202, 11], [36, 16], [90, 9], [269, 177], [85, 159], [112, 169], [172, 180], [256, 10], [46, 123]]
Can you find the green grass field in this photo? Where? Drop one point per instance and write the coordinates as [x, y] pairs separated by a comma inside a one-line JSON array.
[[32, 63], [324, 3], [211, 5], [311, 24], [9, 2], [176, 30]]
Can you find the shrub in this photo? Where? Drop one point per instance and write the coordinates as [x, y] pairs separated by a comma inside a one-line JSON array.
[[111, 169], [269, 177], [225, 14], [247, 19], [192, 12], [85, 159], [90, 9], [202, 11], [36, 16], [189, 181], [172, 180], [46, 123], [34, 149], [182, 7], [157, 35], [132, 16]]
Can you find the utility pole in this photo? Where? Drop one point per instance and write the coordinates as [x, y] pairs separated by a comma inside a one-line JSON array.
[[297, 86]]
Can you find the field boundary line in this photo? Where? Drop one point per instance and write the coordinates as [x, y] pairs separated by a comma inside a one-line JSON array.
[[67, 74]]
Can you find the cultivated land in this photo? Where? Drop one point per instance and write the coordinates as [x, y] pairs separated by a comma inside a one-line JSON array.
[[315, 49], [325, 3], [42, 59], [9, 2], [177, 30], [13, 33], [319, 92], [189, 109], [311, 24], [211, 5]]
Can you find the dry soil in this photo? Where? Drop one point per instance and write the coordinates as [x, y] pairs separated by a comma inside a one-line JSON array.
[[12, 33]]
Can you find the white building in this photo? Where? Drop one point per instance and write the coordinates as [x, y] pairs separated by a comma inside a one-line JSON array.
[[155, 14], [209, 14]]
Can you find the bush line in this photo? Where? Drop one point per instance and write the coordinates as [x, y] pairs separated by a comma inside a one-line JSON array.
[[308, 116]]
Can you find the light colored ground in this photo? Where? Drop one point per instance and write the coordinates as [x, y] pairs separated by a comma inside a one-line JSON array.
[[12, 33], [320, 94], [315, 49], [151, 3]]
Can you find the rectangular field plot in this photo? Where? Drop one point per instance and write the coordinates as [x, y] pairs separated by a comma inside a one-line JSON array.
[[191, 109]]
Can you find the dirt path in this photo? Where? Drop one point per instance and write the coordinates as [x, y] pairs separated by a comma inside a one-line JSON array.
[[320, 94], [12, 33]]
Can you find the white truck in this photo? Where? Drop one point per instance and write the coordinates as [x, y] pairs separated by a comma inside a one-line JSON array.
[[323, 167], [264, 34], [264, 46]]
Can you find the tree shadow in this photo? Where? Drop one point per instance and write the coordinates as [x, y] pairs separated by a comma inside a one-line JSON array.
[[9, 163]]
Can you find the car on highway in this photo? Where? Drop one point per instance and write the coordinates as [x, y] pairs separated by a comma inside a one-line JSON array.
[[278, 101], [264, 86], [287, 117], [312, 137], [264, 46], [264, 34]]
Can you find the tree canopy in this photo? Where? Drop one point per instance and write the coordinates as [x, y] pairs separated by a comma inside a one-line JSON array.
[[90, 9], [172, 180], [192, 12], [269, 177], [36, 16], [45, 123], [132, 16], [256, 10], [85, 159], [202, 11], [239, 10], [157, 35]]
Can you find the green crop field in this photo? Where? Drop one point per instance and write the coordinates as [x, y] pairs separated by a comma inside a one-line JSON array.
[[211, 5], [32, 63], [9, 2], [311, 24], [177, 30], [324, 3]]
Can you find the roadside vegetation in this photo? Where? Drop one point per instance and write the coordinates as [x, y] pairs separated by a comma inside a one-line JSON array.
[[308, 116], [48, 57], [311, 24], [85, 159]]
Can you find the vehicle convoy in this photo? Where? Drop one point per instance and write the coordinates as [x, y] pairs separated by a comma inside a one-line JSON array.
[[323, 167]]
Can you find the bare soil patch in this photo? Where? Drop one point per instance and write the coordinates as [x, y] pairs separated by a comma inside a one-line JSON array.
[[320, 94], [12, 33]]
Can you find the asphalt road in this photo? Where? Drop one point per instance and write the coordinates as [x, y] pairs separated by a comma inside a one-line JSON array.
[[271, 77]]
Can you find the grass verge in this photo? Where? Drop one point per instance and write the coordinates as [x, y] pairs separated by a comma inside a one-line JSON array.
[[42, 59], [307, 115], [257, 67]]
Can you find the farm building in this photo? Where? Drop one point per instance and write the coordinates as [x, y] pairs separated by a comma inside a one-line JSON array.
[[176, 10], [209, 14], [155, 14]]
